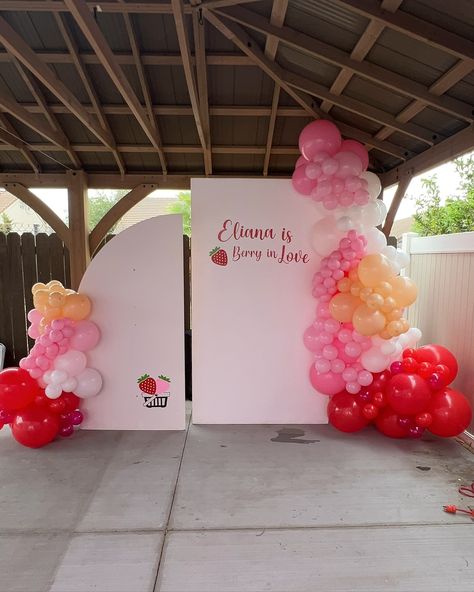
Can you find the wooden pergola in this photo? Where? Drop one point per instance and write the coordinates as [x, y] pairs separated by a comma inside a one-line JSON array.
[[146, 95]]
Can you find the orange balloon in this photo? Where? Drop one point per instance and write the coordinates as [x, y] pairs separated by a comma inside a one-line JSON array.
[[374, 269], [342, 307], [374, 301], [41, 298], [77, 307], [38, 286], [384, 288], [367, 321], [52, 312], [344, 285], [404, 291]]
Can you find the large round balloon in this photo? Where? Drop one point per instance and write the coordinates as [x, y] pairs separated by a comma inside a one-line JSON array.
[[437, 354], [319, 136], [374, 269], [327, 383], [17, 389], [342, 306], [358, 149], [387, 423], [408, 394], [35, 427], [451, 413], [345, 414]]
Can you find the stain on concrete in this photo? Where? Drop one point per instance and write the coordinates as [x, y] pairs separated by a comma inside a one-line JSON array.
[[292, 436], [423, 468]]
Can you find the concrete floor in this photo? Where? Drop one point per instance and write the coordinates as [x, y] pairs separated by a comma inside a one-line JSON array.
[[234, 509]]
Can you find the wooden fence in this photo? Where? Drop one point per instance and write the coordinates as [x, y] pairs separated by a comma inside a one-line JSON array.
[[26, 259]]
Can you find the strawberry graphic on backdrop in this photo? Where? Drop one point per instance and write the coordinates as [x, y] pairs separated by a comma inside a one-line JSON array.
[[162, 384], [218, 256], [147, 384]]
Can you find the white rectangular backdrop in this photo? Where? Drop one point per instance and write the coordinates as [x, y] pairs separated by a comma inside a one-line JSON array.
[[248, 317]]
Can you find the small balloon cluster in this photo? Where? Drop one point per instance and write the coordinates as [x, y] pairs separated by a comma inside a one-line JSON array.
[[40, 399], [359, 334]]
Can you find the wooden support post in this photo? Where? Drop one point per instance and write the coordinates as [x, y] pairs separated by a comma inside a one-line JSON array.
[[78, 201], [396, 201]]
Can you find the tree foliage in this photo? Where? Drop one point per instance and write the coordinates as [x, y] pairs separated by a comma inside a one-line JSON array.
[[183, 206], [6, 224], [101, 202], [456, 214]]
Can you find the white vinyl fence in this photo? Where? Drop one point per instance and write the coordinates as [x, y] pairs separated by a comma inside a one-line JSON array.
[[443, 269]]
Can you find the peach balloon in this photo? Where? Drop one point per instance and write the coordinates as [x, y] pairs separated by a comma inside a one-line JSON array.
[[41, 298], [77, 307], [374, 269], [37, 287], [404, 291], [342, 307], [56, 299], [367, 321]]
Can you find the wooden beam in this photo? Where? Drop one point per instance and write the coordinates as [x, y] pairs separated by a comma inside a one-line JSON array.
[[396, 201], [37, 94], [118, 210], [152, 7], [100, 180], [365, 43], [201, 70], [413, 27], [250, 48], [144, 86], [277, 18], [88, 85], [35, 203], [445, 151], [78, 202], [22, 51], [96, 39], [9, 135], [333, 55], [178, 12], [16, 110]]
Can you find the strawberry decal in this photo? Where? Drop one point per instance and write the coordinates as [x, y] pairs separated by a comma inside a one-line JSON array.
[[147, 384], [162, 384], [218, 256]]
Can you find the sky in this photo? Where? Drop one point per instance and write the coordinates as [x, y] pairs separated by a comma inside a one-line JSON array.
[[448, 181]]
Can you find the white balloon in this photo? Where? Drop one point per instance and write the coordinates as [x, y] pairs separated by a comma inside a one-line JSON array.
[[382, 210], [390, 252], [403, 258], [326, 236], [69, 385], [89, 383], [388, 348], [344, 223], [374, 361], [53, 391], [47, 376], [376, 240], [58, 377], [72, 362], [374, 186], [370, 214]]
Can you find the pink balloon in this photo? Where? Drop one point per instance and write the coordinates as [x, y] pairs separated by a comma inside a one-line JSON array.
[[358, 149], [319, 136], [313, 170], [311, 339], [301, 183], [350, 165], [301, 160], [328, 383], [34, 316], [73, 362], [43, 363], [33, 331]]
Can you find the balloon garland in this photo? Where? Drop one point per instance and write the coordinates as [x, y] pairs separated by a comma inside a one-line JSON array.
[[40, 400], [363, 348]]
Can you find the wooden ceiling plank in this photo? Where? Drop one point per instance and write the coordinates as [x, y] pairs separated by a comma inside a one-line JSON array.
[[144, 86], [366, 41], [88, 85], [37, 94], [151, 7], [9, 135], [178, 12], [14, 44], [413, 27], [246, 44], [277, 19], [97, 41], [201, 72], [333, 55]]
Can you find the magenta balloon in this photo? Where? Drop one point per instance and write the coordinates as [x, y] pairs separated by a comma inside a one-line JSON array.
[[301, 183], [319, 136], [329, 383], [350, 164], [301, 161], [358, 149]]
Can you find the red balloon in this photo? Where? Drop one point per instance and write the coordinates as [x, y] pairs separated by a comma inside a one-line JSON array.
[[387, 423], [345, 414], [35, 427], [370, 411], [451, 413], [437, 354], [17, 389], [71, 400], [408, 394]]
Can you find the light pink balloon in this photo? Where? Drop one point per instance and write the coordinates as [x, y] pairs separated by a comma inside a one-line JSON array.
[[301, 183], [33, 331], [350, 164], [34, 316], [319, 136], [311, 339], [358, 149], [328, 383], [329, 166], [73, 362], [301, 160], [89, 383], [313, 170], [353, 388]]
